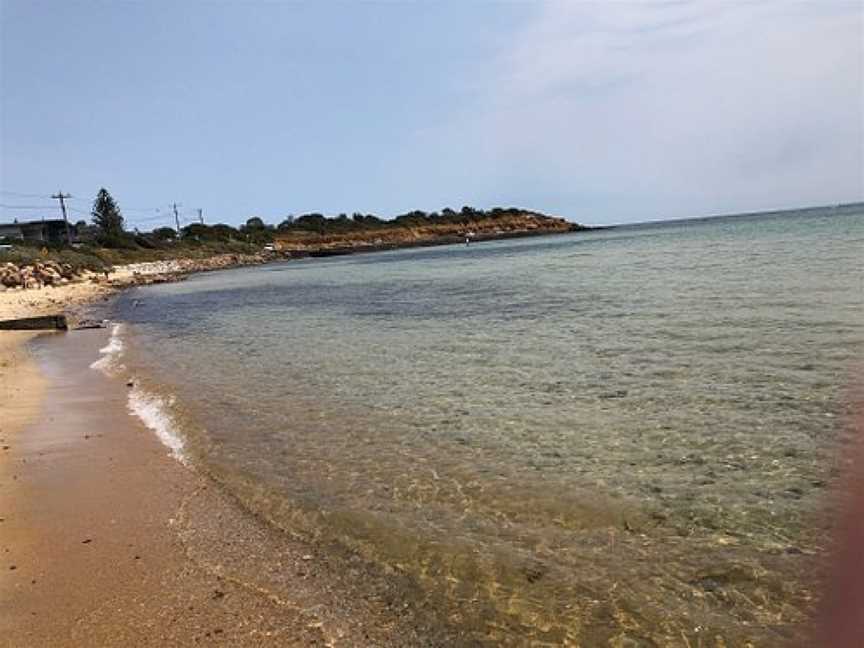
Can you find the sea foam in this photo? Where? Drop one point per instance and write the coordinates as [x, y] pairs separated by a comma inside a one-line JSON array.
[[153, 412], [111, 352]]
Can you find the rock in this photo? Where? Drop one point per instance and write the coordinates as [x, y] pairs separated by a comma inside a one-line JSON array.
[[620, 393], [89, 324], [709, 584]]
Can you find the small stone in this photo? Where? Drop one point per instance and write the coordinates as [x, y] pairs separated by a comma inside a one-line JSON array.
[[620, 393], [709, 584]]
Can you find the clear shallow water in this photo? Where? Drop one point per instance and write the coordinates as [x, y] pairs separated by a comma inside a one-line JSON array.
[[604, 437]]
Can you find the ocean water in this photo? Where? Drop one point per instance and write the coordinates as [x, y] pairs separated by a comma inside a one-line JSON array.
[[621, 437]]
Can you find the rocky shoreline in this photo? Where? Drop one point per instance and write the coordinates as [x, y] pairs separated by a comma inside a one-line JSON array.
[[35, 276], [300, 243], [28, 277], [52, 288]]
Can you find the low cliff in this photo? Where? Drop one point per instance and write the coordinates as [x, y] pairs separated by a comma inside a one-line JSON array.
[[387, 236]]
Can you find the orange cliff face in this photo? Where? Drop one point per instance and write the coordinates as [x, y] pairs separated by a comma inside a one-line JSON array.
[[386, 236]]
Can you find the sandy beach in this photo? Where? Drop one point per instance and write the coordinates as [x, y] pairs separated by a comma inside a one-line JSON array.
[[107, 540]]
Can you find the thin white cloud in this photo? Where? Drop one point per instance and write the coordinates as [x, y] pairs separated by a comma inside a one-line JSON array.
[[681, 107]]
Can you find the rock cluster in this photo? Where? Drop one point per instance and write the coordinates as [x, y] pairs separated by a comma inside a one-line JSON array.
[[37, 275], [52, 273], [185, 266]]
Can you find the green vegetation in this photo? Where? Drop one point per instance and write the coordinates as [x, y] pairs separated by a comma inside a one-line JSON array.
[[27, 254], [109, 221], [98, 259], [106, 241], [320, 224]]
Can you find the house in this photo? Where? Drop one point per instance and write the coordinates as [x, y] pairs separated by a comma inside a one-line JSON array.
[[46, 231]]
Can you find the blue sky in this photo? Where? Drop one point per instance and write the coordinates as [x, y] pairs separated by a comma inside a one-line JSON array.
[[599, 112]]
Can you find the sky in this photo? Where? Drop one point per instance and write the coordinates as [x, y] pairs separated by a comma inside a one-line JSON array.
[[605, 112]]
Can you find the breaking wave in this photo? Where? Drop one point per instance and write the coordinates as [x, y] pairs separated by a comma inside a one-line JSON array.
[[109, 363], [153, 412]]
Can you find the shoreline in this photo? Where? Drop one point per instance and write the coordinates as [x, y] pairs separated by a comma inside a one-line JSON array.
[[72, 296], [108, 540], [208, 545]]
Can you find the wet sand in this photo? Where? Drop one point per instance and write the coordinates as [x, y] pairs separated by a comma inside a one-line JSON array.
[[106, 540]]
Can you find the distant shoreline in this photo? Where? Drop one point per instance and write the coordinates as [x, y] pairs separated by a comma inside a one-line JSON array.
[[839, 207], [435, 242]]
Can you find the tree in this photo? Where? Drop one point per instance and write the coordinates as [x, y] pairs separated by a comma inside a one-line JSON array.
[[106, 215], [256, 231], [165, 233], [314, 222], [222, 232]]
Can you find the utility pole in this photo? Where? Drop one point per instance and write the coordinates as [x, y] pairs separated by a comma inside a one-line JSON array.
[[176, 219], [62, 198], [201, 215]]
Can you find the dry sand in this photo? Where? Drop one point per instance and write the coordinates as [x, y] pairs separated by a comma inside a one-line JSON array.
[[107, 541], [49, 300]]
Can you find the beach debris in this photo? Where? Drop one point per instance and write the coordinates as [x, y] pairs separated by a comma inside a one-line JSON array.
[[90, 324], [52, 322], [87, 541], [130, 383]]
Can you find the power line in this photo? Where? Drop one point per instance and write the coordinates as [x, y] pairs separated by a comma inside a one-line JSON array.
[[123, 209], [23, 195], [69, 197]]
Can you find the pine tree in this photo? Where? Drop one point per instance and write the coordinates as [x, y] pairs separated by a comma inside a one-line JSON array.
[[106, 214]]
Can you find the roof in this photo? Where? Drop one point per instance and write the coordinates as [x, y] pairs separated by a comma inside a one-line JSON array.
[[41, 221]]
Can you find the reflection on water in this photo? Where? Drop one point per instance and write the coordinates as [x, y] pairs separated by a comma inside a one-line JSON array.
[[606, 437]]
